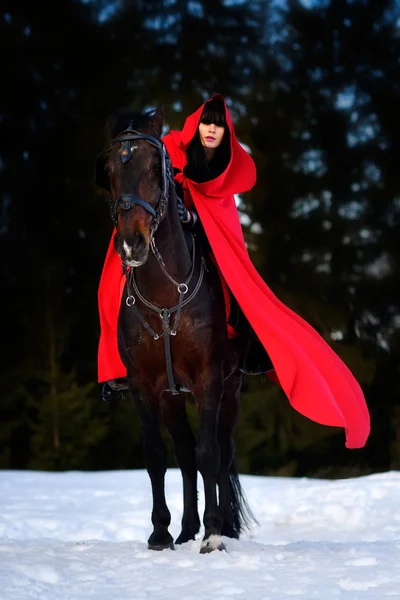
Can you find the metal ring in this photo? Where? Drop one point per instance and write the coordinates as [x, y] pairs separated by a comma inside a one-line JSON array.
[[130, 301], [183, 288]]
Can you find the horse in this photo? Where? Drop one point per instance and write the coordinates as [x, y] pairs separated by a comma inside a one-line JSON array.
[[172, 337]]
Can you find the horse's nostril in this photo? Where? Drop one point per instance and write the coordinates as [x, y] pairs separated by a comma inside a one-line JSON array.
[[133, 249], [132, 242], [138, 240]]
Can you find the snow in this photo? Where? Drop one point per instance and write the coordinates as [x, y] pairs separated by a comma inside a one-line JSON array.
[[83, 535]]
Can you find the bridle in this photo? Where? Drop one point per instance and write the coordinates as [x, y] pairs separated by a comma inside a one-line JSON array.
[[127, 201]]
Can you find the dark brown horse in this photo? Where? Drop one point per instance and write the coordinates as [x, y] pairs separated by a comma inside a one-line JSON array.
[[173, 337]]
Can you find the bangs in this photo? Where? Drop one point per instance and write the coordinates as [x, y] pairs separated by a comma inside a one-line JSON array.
[[213, 114]]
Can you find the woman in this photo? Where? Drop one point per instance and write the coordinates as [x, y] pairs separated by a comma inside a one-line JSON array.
[[211, 166]]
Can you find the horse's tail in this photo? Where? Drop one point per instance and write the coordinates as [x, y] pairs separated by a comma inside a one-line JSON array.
[[241, 511]]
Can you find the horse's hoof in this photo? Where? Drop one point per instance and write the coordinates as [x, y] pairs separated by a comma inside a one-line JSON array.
[[159, 547], [160, 542], [211, 544]]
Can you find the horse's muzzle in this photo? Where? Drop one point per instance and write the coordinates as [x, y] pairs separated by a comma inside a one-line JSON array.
[[133, 249]]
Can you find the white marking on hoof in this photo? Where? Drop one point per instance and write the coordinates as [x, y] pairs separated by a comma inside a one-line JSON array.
[[214, 542]]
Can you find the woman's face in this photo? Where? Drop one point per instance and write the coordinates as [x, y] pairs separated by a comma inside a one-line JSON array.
[[211, 135]]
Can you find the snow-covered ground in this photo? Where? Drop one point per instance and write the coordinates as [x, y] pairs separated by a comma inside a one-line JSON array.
[[76, 535]]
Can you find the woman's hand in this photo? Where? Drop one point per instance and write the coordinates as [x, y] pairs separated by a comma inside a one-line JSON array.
[[184, 214]]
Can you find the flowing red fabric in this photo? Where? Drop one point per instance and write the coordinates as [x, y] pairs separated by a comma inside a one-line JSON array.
[[316, 381]]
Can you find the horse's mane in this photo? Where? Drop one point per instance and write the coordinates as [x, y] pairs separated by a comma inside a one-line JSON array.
[[121, 121]]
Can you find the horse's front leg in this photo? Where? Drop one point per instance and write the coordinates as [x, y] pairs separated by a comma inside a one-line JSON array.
[[155, 457], [175, 419], [208, 458]]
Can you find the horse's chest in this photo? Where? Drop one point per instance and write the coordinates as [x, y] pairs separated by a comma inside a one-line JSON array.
[[191, 333]]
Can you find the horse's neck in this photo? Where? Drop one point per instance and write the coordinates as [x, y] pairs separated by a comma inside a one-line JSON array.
[[171, 243]]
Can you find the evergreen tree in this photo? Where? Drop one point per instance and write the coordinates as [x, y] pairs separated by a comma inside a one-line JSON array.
[[327, 193], [61, 78], [197, 49]]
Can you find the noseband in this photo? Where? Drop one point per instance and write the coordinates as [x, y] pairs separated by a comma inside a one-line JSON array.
[[127, 201]]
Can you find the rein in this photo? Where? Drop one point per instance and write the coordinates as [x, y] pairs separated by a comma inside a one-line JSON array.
[[127, 201]]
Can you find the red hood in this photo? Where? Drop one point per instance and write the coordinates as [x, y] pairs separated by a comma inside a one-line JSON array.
[[240, 174]]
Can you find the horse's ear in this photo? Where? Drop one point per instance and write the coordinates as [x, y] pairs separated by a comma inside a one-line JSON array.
[[157, 120]]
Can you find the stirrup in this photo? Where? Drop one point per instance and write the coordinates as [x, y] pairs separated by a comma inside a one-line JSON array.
[[112, 390], [118, 385]]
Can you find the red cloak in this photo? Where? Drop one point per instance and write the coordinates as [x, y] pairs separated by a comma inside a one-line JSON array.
[[316, 381]]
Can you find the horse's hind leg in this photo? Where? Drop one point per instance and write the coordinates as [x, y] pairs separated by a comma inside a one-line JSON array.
[[155, 456], [230, 495], [175, 420], [208, 398]]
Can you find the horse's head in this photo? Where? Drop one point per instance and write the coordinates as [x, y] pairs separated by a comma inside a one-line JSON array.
[[136, 171]]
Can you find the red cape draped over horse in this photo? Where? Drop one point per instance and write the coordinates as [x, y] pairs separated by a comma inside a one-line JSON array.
[[316, 381]]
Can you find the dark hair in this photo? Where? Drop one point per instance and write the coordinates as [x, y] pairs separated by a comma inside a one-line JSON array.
[[198, 169]]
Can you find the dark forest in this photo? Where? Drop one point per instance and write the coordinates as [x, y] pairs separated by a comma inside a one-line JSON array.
[[314, 89]]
